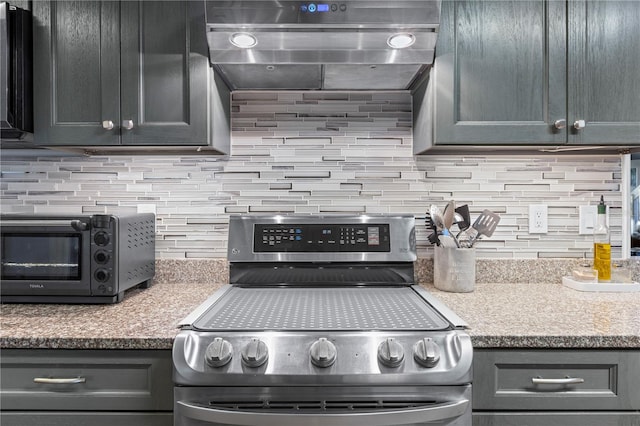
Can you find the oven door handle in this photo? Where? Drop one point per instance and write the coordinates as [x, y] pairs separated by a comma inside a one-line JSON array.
[[419, 415]]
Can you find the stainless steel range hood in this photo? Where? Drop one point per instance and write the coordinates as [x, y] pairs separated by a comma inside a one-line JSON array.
[[343, 45]]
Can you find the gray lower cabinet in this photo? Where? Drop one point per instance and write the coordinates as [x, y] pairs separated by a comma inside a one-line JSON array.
[[556, 387], [86, 387], [529, 73], [123, 74]]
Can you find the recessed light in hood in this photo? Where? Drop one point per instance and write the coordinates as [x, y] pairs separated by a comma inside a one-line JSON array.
[[350, 44], [401, 40], [243, 40]]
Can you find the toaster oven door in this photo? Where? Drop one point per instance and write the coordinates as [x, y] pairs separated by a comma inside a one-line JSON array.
[[45, 257]]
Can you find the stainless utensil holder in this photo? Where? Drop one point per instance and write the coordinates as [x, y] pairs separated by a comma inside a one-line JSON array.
[[454, 269]]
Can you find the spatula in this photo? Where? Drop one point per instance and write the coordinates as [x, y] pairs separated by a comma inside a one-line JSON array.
[[485, 224]]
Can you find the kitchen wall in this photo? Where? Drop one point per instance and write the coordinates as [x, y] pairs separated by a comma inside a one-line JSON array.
[[322, 153]]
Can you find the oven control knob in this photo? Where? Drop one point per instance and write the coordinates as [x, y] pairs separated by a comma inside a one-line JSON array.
[[218, 353], [390, 353], [255, 353], [426, 352], [323, 353]]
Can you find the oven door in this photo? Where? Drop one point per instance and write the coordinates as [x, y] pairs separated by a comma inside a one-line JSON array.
[[323, 406], [45, 257]]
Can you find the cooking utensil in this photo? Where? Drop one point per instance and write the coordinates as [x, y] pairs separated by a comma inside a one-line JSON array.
[[436, 217], [433, 236], [448, 215], [440, 220], [465, 217], [485, 224]]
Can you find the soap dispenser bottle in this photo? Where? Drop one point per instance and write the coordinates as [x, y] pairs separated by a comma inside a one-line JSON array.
[[602, 244]]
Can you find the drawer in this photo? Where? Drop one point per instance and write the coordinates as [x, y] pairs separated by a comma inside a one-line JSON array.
[[85, 418], [556, 380], [91, 380]]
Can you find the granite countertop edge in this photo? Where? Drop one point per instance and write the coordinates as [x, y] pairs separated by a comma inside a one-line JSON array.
[[479, 342]]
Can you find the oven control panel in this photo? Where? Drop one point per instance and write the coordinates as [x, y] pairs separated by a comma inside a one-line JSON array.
[[370, 237], [218, 358]]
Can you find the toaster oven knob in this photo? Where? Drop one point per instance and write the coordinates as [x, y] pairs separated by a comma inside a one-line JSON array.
[[218, 353], [102, 275], [255, 353], [101, 257], [101, 238], [323, 353], [426, 352], [390, 353]]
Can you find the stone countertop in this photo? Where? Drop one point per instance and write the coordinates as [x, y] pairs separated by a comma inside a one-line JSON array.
[[499, 316], [546, 315], [144, 319]]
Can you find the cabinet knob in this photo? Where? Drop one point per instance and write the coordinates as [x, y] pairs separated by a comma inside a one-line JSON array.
[[560, 124], [579, 124], [107, 124], [127, 124]]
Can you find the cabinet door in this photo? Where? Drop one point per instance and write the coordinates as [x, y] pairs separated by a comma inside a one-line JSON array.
[[76, 72], [604, 71], [500, 72], [164, 73]]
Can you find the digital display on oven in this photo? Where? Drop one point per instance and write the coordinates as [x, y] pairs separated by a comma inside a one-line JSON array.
[[321, 238], [42, 257]]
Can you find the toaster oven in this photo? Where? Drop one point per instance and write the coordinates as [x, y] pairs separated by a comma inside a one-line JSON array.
[[75, 259]]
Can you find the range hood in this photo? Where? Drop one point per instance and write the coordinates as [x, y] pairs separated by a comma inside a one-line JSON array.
[[343, 45]]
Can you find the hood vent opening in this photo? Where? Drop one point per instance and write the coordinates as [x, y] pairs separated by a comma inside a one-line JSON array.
[[343, 45]]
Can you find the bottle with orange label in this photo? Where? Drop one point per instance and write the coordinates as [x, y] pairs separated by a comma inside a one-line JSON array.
[[602, 244]]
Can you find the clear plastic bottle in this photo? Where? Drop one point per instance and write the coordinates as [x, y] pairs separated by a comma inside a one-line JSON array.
[[602, 244]]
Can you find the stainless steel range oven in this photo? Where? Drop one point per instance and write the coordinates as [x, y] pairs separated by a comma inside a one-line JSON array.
[[322, 324]]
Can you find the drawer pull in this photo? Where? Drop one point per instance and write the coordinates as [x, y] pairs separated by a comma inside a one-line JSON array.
[[59, 380], [565, 381]]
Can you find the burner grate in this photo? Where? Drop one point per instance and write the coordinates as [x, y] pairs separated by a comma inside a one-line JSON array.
[[326, 308]]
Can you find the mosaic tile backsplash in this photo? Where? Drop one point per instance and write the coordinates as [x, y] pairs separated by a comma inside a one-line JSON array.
[[323, 153]]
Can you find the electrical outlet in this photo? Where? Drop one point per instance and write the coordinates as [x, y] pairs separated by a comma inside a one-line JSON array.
[[538, 218]]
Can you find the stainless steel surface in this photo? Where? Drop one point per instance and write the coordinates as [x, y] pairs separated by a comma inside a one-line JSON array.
[[563, 381], [560, 124], [403, 249], [59, 380], [326, 405], [127, 124], [322, 324], [345, 47], [390, 353], [332, 308], [107, 124], [187, 321], [406, 416], [443, 309], [323, 353], [289, 362]]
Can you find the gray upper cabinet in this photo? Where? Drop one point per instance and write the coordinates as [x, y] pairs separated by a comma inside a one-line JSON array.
[[604, 71], [523, 72], [130, 73]]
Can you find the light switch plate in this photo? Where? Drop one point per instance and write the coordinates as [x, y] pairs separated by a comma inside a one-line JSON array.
[[588, 219]]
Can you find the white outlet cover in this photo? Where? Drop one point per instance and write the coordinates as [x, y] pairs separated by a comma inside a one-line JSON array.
[[538, 219]]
